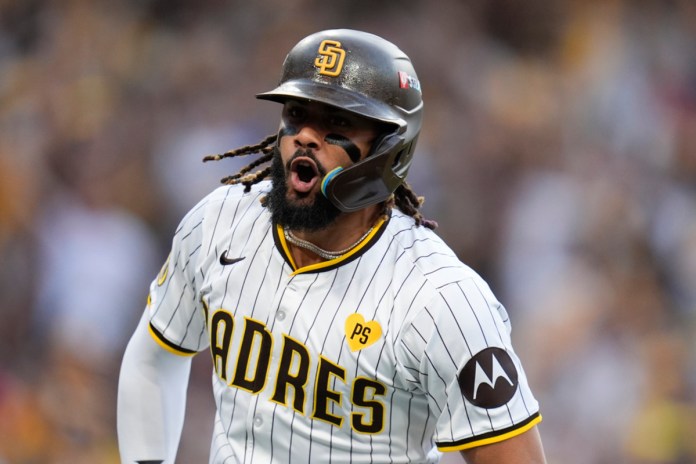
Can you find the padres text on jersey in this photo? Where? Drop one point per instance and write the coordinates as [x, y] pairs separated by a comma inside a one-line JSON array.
[[362, 358]]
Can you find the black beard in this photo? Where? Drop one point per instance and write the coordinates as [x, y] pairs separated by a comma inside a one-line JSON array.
[[315, 216]]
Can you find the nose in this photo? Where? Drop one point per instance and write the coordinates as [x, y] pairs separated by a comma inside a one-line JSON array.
[[309, 136]]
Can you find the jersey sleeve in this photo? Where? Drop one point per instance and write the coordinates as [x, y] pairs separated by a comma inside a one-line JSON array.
[[459, 344], [177, 316]]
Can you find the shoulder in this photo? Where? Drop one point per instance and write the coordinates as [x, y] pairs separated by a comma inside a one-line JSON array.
[[447, 286], [426, 251], [223, 201], [229, 196]]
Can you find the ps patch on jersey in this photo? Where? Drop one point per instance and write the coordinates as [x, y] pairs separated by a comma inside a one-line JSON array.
[[489, 379], [361, 334]]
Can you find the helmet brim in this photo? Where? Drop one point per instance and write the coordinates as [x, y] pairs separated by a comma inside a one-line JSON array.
[[338, 97]]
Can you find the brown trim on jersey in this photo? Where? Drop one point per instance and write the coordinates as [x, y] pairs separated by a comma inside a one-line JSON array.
[[491, 437], [167, 345], [359, 250]]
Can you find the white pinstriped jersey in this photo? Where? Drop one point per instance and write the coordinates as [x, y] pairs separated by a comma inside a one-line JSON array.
[[387, 354]]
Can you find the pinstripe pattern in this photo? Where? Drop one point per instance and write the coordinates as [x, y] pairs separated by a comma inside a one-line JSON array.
[[288, 385]]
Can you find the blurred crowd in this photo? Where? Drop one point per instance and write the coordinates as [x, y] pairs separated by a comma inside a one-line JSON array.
[[558, 155]]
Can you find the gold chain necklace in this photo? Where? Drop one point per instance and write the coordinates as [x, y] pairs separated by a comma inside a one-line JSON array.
[[326, 254]]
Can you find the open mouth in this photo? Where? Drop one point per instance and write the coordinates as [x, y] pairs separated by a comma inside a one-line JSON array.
[[304, 174], [305, 171]]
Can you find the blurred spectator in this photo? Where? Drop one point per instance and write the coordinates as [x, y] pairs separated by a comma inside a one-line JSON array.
[[558, 155]]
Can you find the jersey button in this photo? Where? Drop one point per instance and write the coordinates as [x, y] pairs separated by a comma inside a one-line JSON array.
[[258, 421], [280, 315]]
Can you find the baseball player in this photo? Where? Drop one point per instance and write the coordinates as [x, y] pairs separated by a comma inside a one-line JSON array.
[[341, 328]]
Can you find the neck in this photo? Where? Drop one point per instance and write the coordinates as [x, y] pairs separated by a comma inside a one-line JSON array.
[[343, 233]]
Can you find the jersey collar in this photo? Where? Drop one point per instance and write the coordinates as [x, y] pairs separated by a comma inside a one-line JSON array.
[[360, 248]]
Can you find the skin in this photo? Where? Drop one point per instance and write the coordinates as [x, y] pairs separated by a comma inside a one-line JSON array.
[[334, 136], [339, 138]]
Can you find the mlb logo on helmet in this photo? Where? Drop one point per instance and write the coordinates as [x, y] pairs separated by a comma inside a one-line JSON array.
[[408, 82]]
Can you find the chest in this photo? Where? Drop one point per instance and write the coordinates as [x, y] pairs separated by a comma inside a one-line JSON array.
[[259, 312]]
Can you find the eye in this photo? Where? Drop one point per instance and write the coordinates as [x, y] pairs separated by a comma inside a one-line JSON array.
[[294, 113], [340, 122]]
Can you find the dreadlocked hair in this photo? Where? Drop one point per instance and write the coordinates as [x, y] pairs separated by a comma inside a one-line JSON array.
[[265, 148], [405, 199]]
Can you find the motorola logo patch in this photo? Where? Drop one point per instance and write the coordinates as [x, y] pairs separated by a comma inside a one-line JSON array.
[[489, 379]]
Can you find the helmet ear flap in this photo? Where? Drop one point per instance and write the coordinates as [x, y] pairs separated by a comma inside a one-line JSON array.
[[402, 160], [369, 181]]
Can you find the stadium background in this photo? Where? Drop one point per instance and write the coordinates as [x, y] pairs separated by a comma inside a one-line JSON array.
[[558, 154]]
